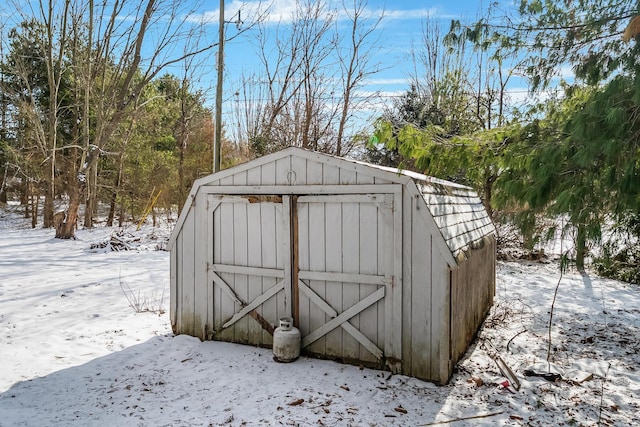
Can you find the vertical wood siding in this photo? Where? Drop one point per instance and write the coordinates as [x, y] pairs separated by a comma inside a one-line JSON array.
[[472, 291], [428, 307], [420, 302], [343, 237], [293, 170], [247, 235], [186, 273], [441, 309], [408, 283]]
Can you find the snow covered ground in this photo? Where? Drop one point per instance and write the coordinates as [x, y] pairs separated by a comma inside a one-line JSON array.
[[73, 351]]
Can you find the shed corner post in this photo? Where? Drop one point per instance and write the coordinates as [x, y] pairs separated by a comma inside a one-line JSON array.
[[173, 288], [398, 251], [290, 253], [494, 252], [445, 368], [201, 250], [448, 362]]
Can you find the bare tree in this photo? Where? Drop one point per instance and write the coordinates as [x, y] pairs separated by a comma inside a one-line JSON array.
[[355, 65], [440, 78], [306, 93], [4, 124], [316, 45], [107, 53], [56, 26], [249, 110], [280, 102], [190, 107], [40, 43], [125, 61], [293, 72]]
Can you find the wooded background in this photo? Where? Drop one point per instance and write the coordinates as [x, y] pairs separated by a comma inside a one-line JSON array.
[[102, 110]]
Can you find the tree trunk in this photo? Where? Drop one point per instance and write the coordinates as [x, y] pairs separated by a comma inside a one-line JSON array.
[[121, 215], [34, 196], [490, 179], [3, 186], [91, 202], [581, 247], [67, 229], [116, 190], [24, 197], [54, 61], [182, 143], [49, 194], [87, 203], [181, 186], [88, 213], [112, 205]]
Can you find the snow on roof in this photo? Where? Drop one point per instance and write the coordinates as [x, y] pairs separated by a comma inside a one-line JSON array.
[[457, 210], [460, 215], [414, 175]]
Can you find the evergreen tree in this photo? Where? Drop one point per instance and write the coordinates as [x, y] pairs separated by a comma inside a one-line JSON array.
[[581, 160]]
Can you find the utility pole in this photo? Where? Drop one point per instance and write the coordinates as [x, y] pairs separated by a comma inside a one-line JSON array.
[[217, 141]]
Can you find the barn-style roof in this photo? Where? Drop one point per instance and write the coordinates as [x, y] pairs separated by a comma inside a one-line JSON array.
[[457, 210], [460, 215]]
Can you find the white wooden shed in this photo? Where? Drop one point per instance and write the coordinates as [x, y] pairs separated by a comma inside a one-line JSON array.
[[377, 267]]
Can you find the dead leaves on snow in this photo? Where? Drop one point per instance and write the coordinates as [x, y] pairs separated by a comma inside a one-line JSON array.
[[296, 402], [323, 405]]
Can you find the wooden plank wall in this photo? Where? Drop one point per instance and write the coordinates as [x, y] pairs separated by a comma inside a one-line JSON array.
[[407, 286], [173, 287], [472, 291], [201, 291], [297, 171], [185, 272], [417, 306], [440, 318], [342, 237], [425, 325], [438, 321], [425, 292], [247, 235], [198, 307]]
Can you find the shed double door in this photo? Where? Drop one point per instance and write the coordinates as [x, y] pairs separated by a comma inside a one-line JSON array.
[[332, 262]]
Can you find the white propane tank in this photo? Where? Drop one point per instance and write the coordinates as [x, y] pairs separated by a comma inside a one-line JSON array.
[[286, 341]]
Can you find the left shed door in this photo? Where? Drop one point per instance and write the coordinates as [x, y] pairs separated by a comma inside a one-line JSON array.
[[249, 262]]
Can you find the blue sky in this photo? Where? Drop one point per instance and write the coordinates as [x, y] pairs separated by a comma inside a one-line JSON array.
[[400, 29]]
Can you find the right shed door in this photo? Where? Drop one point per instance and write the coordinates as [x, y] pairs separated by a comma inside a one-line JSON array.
[[346, 288]]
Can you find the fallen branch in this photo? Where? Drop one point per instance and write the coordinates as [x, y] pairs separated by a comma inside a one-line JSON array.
[[507, 372], [514, 337], [493, 414]]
